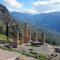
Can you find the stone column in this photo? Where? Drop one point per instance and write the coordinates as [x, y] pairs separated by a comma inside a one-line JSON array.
[[16, 39], [26, 33], [43, 37], [21, 38], [35, 37], [29, 35]]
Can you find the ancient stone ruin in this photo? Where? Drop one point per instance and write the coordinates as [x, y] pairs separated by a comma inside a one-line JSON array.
[[24, 36]]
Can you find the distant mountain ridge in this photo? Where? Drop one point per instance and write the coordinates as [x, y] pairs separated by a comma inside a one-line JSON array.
[[51, 20]]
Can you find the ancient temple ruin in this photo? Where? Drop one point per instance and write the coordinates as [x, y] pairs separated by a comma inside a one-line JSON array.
[[24, 36], [43, 37]]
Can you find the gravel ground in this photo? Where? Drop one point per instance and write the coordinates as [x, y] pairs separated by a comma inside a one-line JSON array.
[[9, 55]]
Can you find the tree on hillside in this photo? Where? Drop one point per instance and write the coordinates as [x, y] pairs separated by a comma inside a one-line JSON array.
[[53, 42], [1, 29], [7, 30]]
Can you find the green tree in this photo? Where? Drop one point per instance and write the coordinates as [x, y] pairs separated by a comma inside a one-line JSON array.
[[1, 29], [7, 30], [53, 42]]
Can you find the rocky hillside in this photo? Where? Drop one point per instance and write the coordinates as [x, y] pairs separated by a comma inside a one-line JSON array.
[[4, 18], [4, 15]]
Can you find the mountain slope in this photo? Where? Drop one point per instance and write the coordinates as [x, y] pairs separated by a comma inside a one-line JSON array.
[[51, 20], [4, 15], [4, 18]]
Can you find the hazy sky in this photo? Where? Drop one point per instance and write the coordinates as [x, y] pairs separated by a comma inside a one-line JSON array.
[[32, 6]]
